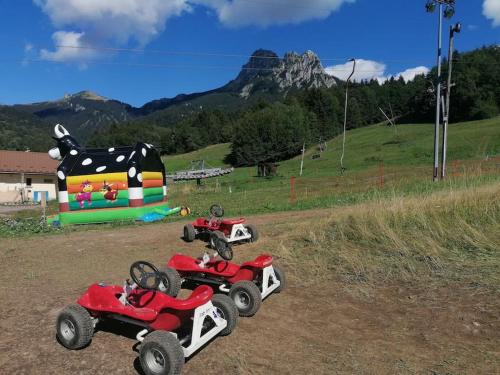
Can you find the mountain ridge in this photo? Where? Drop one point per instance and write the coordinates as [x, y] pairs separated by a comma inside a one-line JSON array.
[[265, 76]]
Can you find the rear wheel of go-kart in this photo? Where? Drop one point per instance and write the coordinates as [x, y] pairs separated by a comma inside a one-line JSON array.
[[161, 354], [227, 310], [280, 274], [189, 233], [246, 296], [74, 327], [170, 282], [253, 232]]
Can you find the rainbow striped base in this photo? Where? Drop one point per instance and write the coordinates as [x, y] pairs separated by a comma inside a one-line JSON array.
[[107, 215]]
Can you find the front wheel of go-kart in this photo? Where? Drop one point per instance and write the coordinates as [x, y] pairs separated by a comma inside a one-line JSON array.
[[252, 230], [170, 283], [161, 354], [74, 327], [280, 275], [227, 310], [246, 297], [189, 233]]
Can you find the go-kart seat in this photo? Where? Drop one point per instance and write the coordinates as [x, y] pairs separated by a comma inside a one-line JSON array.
[[157, 302], [261, 261], [233, 221]]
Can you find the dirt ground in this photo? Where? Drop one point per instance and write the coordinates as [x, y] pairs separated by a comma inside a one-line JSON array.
[[324, 329]]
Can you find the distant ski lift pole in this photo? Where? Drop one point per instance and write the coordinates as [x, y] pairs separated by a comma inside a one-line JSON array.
[[391, 121], [342, 169]]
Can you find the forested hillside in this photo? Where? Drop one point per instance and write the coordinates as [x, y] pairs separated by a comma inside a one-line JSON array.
[[21, 131]]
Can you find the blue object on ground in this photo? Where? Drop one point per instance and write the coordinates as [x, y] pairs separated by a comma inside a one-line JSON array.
[[151, 217]]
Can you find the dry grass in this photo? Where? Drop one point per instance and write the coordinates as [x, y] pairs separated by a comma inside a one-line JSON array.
[[452, 235]]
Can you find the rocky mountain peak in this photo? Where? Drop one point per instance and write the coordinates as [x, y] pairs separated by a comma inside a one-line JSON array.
[[88, 95], [293, 71]]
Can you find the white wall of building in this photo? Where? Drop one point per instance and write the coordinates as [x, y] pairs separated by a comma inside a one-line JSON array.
[[11, 186]]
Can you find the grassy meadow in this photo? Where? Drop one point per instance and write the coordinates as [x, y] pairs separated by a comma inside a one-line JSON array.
[[380, 160]]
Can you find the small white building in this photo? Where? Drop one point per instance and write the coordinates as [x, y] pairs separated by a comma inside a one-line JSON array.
[[25, 176]]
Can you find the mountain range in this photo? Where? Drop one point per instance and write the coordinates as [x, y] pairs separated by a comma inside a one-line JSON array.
[[265, 76]]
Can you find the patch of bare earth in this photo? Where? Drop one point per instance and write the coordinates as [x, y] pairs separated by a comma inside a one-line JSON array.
[[326, 328]]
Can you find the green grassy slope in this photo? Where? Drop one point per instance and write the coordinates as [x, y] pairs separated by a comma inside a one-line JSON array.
[[408, 145]]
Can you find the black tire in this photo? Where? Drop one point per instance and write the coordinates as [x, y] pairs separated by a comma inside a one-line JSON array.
[[170, 282], [74, 327], [280, 274], [161, 354], [227, 310], [253, 231], [189, 233], [246, 296]]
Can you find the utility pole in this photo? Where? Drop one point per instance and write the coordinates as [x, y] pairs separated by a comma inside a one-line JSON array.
[[342, 169], [302, 161], [448, 13], [446, 111]]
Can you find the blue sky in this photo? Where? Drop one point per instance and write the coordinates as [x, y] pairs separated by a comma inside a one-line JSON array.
[[391, 37]]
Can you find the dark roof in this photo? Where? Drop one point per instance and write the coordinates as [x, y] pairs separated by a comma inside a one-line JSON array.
[[26, 162]]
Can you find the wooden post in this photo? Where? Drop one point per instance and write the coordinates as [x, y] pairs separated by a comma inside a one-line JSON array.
[[43, 203], [381, 174], [456, 167]]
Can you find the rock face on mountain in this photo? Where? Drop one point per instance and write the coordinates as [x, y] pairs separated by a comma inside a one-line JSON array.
[[81, 113], [267, 71]]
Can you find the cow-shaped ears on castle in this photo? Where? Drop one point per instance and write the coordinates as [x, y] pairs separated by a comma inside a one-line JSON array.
[[55, 153], [60, 131]]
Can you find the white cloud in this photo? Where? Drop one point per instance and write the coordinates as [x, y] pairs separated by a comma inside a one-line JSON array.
[[369, 69], [491, 10], [68, 39], [101, 22], [237, 13], [365, 70], [410, 74]]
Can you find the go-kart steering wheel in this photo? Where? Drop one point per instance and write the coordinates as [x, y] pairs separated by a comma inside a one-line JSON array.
[[216, 210], [224, 249], [145, 275]]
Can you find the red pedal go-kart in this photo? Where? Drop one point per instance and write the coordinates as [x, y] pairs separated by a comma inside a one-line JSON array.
[[172, 329], [246, 284], [221, 232]]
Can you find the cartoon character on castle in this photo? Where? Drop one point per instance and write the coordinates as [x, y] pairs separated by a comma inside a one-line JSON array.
[[109, 194], [85, 195]]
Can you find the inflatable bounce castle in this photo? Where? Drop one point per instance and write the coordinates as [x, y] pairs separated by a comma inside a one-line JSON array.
[[104, 185]]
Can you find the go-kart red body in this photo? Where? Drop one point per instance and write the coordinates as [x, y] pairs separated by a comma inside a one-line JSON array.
[[223, 225], [157, 311], [231, 272]]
